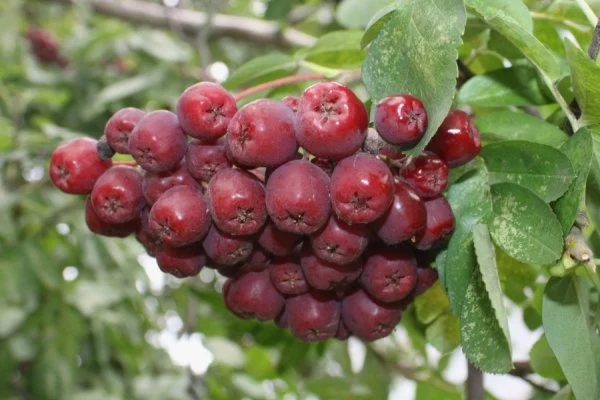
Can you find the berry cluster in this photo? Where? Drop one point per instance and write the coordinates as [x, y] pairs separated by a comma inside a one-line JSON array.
[[320, 223], [45, 47]]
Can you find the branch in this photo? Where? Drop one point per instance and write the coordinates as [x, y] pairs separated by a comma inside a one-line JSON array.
[[475, 389], [595, 45], [192, 22]]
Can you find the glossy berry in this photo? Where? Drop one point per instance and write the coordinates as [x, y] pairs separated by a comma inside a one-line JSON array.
[[389, 274], [401, 120], [426, 278], [157, 142], [119, 128], [225, 249], [262, 134], [156, 183], [181, 262], [292, 102], [117, 195], [252, 295], [362, 189], [426, 173], [205, 110], [457, 140], [75, 166], [179, 217], [297, 197], [276, 241], [326, 276], [332, 121], [313, 316], [287, 276], [367, 318], [100, 227], [440, 223], [258, 260], [143, 234], [339, 243], [237, 202], [404, 219], [204, 160]]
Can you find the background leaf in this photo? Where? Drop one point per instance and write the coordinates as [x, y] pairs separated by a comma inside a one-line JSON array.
[[339, 49], [355, 14], [585, 74]]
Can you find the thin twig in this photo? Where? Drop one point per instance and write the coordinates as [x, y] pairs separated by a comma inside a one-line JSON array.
[[302, 77], [587, 10], [464, 73], [474, 385], [595, 44]]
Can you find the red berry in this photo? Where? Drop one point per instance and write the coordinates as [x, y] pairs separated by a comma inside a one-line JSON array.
[[98, 226], [237, 202], [292, 102], [225, 249], [440, 223], [262, 134], [338, 242], [252, 295], [258, 260], [404, 219], [287, 276], [367, 318], [323, 275], [362, 189], [332, 121], [389, 274], [297, 197], [117, 195], [457, 140], [157, 142], [342, 333], [401, 120], [277, 242], [119, 128], [179, 217], [75, 166], [181, 261], [204, 160], [156, 183], [205, 110], [313, 316], [426, 173], [426, 278]]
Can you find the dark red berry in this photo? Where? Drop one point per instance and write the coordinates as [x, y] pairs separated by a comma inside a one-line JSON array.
[[237, 202], [258, 260], [205, 110], [332, 121], [204, 160], [338, 242], [252, 295], [262, 134], [362, 189], [292, 102], [426, 173], [156, 183], [313, 316], [179, 217], [117, 195], [342, 333], [297, 197], [157, 142], [440, 223], [404, 219], [281, 320], [367, 318], [457, 140], [100, 227], [323, 275], [144, 236], [326, 165], [426, 278], [225, 249], [287, 276], [277, 242], [181, 261], [75, 166], [389, 274], [401, 120], [119, 128], [45, 47]]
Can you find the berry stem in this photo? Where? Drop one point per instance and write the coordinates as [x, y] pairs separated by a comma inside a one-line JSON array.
[[130, 163], [302, 77]]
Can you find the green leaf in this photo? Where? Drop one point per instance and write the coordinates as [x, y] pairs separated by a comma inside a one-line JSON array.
[[279, 9], [565, 393], [127, 87], [428, 391], [486, 258], [515, 276], [495, 14], [483, 340], [12, 318], [92, 296], [381, 17], [356, 14], [517, 125], [444, 333], [431, 304], [415, 52], [515, 86], [514, 11], [565, 314], [580, 150], [270, 66], [544, 362], [471, 202], [340, 49], [524, 226], [585, 74], [542, 169], [592, 195]]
